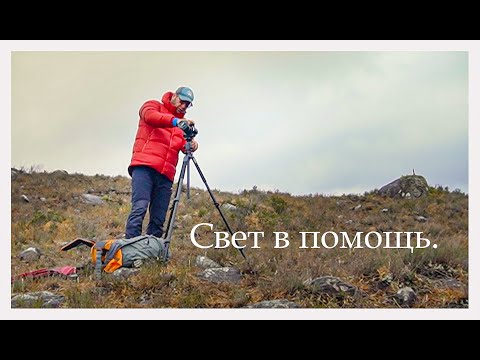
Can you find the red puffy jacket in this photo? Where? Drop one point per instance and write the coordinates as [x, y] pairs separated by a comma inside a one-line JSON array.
[[157, 142]]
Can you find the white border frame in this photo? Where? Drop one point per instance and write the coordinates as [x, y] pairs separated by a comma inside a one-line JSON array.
[[472, 46]]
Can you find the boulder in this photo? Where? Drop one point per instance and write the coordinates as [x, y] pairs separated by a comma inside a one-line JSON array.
[[410, 186]]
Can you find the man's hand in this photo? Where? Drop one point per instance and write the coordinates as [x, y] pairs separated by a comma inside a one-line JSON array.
[[194, 145], [189, 122]]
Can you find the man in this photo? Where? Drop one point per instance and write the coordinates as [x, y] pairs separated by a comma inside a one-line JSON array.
[[155, 157]]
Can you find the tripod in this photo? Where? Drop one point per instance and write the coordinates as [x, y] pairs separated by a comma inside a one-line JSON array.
[[190, 133]]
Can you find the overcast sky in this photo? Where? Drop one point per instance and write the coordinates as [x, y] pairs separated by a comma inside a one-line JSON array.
[[300, 122]]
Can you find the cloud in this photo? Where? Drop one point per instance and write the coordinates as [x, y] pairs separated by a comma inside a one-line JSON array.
[[302, 122]]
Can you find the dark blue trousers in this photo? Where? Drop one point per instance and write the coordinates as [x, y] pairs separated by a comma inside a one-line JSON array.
[[150, 190]]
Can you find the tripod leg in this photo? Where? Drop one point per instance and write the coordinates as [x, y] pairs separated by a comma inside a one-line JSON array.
[[217, 205], [188, 180], [173, 210]]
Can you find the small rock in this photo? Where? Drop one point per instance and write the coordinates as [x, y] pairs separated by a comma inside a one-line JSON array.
[[124, 273], [167, 278], [187, 217], [449, 283], [100, 290], [358, 207], [221, 275], [92, 199], [60, 174], [43, 299], [349, 222], [145, 300], [330, 285], [15, 173], [385, 282], [385, 210], [42, 199], [25, 198], [274, 304], [31, 254], [229, 207], [206, 263], [406, 296], [421, 219]]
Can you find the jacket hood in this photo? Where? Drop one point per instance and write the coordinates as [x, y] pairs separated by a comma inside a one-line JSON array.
[[173, 110]]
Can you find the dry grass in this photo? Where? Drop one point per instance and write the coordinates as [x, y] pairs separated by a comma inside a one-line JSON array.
[[279, 273]]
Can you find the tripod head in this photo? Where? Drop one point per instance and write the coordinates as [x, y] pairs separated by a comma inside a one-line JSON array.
[[190, 131]]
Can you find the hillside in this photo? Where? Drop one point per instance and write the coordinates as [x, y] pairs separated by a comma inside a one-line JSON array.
[[50, 209]]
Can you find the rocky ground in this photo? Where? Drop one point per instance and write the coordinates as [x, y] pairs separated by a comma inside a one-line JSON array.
[[51, 209]]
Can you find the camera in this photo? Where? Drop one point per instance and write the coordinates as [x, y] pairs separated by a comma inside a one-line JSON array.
[[189, 130]]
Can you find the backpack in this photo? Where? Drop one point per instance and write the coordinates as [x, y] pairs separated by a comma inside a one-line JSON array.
[[111, 255]]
